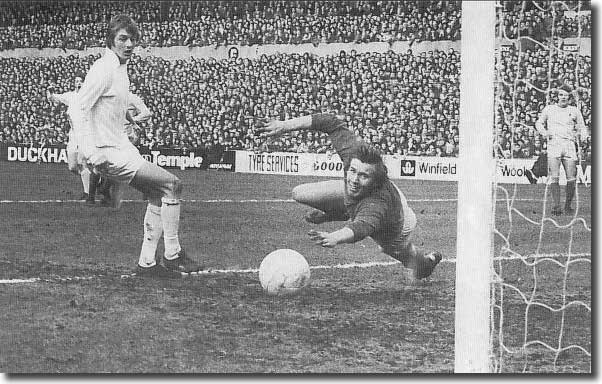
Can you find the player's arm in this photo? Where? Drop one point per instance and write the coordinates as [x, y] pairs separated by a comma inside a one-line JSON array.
[[582, 130], [279, 127], [368, 220], [58, 97], [540, 124], [143, 112], [343, 140], [331, 239]]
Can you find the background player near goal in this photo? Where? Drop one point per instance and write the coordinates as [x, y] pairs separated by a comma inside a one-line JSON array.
[[564, 127]]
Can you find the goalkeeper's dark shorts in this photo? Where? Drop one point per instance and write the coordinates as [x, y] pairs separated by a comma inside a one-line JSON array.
[[540, 167]]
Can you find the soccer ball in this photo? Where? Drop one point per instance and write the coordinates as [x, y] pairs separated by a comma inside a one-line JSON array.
[[284, 272]]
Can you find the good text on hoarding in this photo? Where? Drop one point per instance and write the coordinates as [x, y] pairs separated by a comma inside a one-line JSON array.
[[328, 166]]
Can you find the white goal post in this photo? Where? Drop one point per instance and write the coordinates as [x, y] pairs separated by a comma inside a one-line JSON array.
[[475, 189]]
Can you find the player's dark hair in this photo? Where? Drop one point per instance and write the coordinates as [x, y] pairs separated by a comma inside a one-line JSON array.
[[370, 155], [567, 88], [121, 22], [79, 74]]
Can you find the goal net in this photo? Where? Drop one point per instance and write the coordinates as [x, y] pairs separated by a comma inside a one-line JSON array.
[[523, 289]]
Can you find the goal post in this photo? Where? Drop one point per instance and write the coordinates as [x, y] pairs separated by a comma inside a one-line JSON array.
[[475, 189]]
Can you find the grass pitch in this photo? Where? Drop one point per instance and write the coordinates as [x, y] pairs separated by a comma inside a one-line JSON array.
[[73, 312]]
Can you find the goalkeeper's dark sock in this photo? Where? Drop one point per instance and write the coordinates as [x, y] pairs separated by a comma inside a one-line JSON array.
[[570, 193], [105, 187], [408, 256], [555, 188], [92, 186]]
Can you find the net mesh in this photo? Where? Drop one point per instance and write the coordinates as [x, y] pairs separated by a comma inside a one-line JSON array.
[[541, 293]]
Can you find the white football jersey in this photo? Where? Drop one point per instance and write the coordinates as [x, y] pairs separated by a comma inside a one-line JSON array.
[[563, 123]]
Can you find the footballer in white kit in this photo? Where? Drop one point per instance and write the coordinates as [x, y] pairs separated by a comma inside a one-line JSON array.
[[564, 127], [103, 105], [75, 161], [137, 112]]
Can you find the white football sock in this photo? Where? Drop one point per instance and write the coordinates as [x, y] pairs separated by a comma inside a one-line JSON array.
[[85, 175], [153, 229], [170, 217]]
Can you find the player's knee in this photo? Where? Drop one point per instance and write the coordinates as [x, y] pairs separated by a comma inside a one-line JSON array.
[[301, 194], [155, 201]]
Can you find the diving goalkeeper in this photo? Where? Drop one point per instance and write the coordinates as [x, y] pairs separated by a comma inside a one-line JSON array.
[[370, 203]]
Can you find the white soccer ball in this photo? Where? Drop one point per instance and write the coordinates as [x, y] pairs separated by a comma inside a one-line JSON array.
[[284, 272]]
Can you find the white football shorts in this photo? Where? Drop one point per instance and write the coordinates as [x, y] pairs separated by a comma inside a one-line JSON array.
[[116, 163], [562, 149]]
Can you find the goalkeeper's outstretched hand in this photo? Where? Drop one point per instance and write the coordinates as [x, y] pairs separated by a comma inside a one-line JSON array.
[[323, 239], [270, 128]]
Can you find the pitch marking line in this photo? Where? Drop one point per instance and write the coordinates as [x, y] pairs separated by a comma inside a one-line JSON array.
[[219, 201], [255, 270], [20, 281]]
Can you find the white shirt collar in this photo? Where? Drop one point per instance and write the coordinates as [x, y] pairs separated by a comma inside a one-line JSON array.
[[112, 56]]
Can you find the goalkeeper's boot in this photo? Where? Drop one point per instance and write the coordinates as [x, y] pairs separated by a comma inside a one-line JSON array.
[[556, 210], [426, 265], [157, 271], [182, 263], [106, 200], [531, 176], [317, 217], [90, 200]]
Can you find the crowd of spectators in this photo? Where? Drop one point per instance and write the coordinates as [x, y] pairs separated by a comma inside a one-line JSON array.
[[404, 103], [543, 20], [80, 24], [67, 24]]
